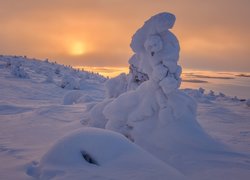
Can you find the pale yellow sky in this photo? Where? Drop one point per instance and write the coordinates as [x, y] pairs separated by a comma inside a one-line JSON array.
[[213, 34]]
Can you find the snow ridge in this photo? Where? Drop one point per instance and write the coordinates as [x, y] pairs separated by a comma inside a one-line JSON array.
[[45, 71]]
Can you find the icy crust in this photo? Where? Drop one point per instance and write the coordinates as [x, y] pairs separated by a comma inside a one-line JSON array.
[[100, 154]]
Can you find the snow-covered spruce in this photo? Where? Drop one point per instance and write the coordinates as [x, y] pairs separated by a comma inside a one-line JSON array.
[[49, 77], [18, 71], [69, 82], [57, 70], [72, 97], [153, 112], [154, 76]]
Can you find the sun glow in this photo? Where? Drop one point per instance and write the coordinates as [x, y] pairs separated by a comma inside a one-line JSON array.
[[105, 71], [77, 48]]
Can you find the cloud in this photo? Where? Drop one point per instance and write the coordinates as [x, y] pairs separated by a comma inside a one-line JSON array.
[[213, 34]]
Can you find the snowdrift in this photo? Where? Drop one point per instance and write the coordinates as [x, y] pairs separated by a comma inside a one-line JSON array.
[[100, 154]]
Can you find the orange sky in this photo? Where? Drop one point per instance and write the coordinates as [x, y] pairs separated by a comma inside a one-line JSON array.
[[213, 34]]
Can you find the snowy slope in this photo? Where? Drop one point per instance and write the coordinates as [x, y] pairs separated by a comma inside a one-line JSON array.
[[224, 118], [35, 112], [32, 111]]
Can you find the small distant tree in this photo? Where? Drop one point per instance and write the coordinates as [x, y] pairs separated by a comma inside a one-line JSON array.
[[69, 82], [57, 70], [49, 77], [8, 64], [18, 71]]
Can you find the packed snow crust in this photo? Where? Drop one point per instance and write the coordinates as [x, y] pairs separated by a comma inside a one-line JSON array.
[[147, 127]]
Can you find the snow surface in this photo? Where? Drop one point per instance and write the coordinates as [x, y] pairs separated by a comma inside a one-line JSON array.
[[161, 132], [33, 118]]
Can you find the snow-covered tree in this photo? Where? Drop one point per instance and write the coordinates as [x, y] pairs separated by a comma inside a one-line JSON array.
[[57, 70], [69, 82], [18, 71], [49, 77], [153, 111]]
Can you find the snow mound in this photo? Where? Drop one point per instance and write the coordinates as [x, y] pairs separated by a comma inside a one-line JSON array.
[[116, 86], [72, 97], [68, 82], [99, 154]]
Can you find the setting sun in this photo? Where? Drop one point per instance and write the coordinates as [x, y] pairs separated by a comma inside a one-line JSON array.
[[77, 48]]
